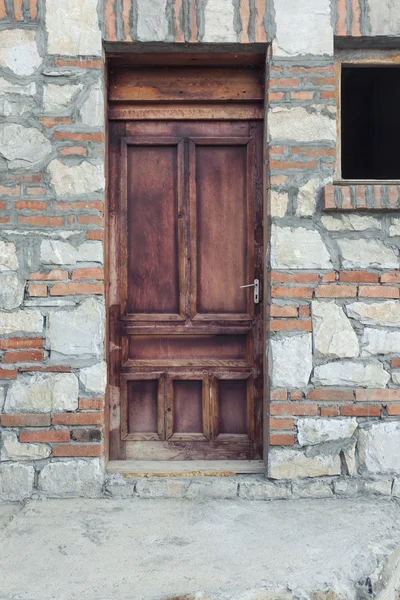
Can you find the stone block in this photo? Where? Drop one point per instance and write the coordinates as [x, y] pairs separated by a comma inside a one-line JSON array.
[[73, 28], [396, 488], [43, 392], [349, 455], [7, 87], [311, 489], [12, 449], [346, 487], [384, 17], [262, 489], [379, 341], [278, 203], [378, 487], [307, 197], [159, 487], [152, 22], [58, 98], [55, 252], [218, 488], [394, 229], [298, 248], [2, 398], [333, 334], [91, 252], [300, 125], [94, 378], [11, 291], [350, 222], [291, 359], [23, 147], [85, 178], [14, 107], [351, 374], [289, 463], [219, 22], [320, 431], [8, 257], [78, 332], [19, 51], [92, 111], [72, 479], [16, 482], [364, 254], [21, 321], [310, 17], [386, 313], [379, 448]]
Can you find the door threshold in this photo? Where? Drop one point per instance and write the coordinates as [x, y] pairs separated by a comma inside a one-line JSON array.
[[185, 468]]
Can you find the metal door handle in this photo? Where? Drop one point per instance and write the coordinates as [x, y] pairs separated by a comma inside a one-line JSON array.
[[256, 286]]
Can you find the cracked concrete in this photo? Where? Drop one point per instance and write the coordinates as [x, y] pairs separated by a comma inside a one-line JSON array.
[[152, 549]]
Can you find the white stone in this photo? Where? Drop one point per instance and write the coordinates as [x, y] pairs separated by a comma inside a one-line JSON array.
[[264, 490], [2, 398], [14, 107], [91, 252], [379, 448], [311, 489], [12, 449], [23, 147], [56, 233], [298, 248], [288, 463], [320, 431], [54, 252], [71, 479], [396, 488], [94, 379], [350, 223], [57, 98], [92, 111], [351, 374], [396, 377], [76, 180], [379, 487], [7, 87], [278, 203], [8, 257], [384, 16], [43, 392], [78, 332], [73, 28], [364, 254], [394, 228], [380, 341], [303, 27], [307, 197], [346, 488], [386, 313], [300, 125], [11, 291], [350, 458], [291, 360], [152, 23], [24, 321], [19, 52], [333, 334], [219, 22], [16, 482]]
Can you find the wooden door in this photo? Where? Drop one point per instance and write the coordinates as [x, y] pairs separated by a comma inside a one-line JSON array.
[[186, 340]]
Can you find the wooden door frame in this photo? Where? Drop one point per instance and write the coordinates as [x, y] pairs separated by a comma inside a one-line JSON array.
[[241, 58]]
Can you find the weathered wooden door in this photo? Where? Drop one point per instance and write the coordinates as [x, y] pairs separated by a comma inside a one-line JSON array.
[[186, 338]]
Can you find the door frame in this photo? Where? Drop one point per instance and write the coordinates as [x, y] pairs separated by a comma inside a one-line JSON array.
[[240, 112]]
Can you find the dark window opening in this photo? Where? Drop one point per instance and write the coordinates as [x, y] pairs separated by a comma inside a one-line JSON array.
[[370, 117]]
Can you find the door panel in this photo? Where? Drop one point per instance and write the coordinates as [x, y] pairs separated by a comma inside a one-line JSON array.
[[189, 213]]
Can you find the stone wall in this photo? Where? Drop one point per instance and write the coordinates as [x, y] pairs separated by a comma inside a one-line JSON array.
[[334, 292]]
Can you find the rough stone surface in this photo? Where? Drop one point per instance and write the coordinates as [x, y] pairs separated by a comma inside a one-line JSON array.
[[11, 291], [73, 27], [8, 87], [59, 97], [72, 478], [8, 257], [380, 341], [349, 454], [307, 198], [379, 448], [152, 24], [333, 334], [386, 313], [312, 18], [350, 222], [319, 430], [298, 248], [364, 254], [379, 487], [204, 488], [289, 463], [23, 147], [300, 125], [43, 392], [19, 51], [16, 482], [56, 252], [278, 203], [94, 378], [163, 488], [384, 17], [351, 374], [85, 178], [291, 360], [263, 490], [312, 489], [91, 252], [11, 449], [2, 398], [78, 332], [25, 321], [394, 229], [219, 21], [396, 488], [92, 111]]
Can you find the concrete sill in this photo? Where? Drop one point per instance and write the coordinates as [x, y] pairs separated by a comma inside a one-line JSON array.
[[187, 468]]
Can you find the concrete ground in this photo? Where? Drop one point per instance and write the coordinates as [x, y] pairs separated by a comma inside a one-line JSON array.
[[153, 549]]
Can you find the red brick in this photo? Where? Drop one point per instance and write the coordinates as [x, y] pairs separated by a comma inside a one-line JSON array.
[[25, 420], [393, 410], [393, 277], [67, 289], [276, 424], [281, 439], [278, 277], [79, 418], [95, 205], [90, 220], [275, 96], [87, 434], [313, 152], [396, 363], [336, 291], [2, 206], [30, 205], [38, 290], [20, 343], [312, 70], [277, 165], [277, 149], [378, 395], [9, 191], [4, 220], [91, 403], [56, 275], [358, 277], [79, 137], [278, 395], [80, 274], [78, 450], [295, 409], [31, 178], [45, 435], [320, 394], [329, 277], [290, 325], [23, 356], [8, 374], [95, 234], [378, 291], [54, 121], [324, 81], [36, 191], [33, 9], [296, 396], [360, 411], [302, 95], [304, 311], [41, 221], [73, 150], [329, 411], [328, 95], [291, 292], [82, 64], [278, 179], [283, 311], [292, 82], [52, 369]]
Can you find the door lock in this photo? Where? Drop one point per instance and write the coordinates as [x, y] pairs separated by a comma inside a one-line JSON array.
[[256, 286]]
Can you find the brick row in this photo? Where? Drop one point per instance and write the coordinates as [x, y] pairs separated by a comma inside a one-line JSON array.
[[361, 197]]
